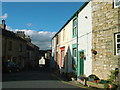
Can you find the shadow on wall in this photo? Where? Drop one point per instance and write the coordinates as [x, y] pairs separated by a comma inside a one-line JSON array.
[[69, 64]]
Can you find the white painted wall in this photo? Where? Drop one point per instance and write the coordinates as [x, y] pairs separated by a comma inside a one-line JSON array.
[[66, 42], [68, 45], [85, 36], [53, 58], [85, 40]]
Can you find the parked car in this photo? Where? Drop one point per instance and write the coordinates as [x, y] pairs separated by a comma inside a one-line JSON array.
[[10, 67]]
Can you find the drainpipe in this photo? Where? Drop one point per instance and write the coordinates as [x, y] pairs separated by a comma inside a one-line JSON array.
[[77, 45]]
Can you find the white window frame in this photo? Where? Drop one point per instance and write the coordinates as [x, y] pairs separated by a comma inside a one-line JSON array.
[[116, 1], [75, 27], [117, 53]]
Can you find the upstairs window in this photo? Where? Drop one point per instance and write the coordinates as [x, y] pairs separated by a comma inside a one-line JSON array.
[[75, 27], [117, 37], [20, 48], [116, 3], [10, 46], [57, 39], [63, 34]]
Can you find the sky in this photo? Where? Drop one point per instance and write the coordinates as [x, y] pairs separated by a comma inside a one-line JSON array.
[[39, 20]]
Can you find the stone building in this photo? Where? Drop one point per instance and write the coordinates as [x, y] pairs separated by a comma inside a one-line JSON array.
[[32, 51], [13, 47], [32, 55], [106, 37], [17, 47]]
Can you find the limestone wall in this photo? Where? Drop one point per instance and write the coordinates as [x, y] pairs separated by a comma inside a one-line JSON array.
[[105, 25]]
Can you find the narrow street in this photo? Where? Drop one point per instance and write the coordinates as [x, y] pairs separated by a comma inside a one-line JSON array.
[[40, 78]]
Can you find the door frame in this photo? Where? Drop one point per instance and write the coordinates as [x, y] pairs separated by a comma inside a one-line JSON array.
[[61, 49]]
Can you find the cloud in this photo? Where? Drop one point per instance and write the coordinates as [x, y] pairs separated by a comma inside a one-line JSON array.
[[42, 38], [29, 24], [4, 16], [9, 28]]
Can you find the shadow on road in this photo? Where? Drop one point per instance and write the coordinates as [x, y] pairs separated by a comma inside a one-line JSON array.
[[41, 73]]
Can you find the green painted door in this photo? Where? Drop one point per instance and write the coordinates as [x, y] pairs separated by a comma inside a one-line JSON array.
[[81, 66], [81, 63]]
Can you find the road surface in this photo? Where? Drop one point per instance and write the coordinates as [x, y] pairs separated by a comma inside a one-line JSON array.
[[40, 78]]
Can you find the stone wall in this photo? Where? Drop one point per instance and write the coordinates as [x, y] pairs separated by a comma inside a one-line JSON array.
[[105, 25], [119, 56]]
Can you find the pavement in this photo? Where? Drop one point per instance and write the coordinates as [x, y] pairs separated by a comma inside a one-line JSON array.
[[64, 80], [74, 82]]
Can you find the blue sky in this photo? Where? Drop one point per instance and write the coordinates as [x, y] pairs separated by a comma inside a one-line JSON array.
[[38, 17]]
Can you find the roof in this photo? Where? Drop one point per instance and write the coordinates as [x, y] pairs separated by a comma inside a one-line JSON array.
[[75, 14], [11, 35], [32, 45]]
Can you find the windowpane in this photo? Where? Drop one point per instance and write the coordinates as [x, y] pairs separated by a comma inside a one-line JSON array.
[[118, 40], [118, 50], [118, 45], [74, 27], [75, 31], [63, 34], [74, 22], [20, 47], [118, 36], [10, 46], [62, 62], [62, 54], [75, 52], [117, 3]]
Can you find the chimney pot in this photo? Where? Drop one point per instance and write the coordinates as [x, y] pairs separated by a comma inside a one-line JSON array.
[[3, 24]]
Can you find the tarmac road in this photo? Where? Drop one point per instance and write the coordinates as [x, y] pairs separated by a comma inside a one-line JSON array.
[[40, 78]]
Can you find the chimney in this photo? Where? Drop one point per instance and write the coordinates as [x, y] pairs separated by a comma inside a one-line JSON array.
[[21, 34], [3, 24]]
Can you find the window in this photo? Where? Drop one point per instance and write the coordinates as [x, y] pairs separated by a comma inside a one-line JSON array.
[[116, 3], [63, 34], [74, 56], [74, 27], [57, 39], [62, 58], [10, 46], [20, 47], [74, 52], [9, 58], [74, 59], [117, 37]]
